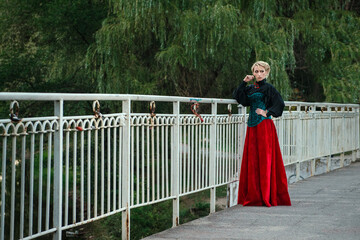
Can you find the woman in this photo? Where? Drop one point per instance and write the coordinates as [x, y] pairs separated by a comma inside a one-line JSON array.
[[263, 180]]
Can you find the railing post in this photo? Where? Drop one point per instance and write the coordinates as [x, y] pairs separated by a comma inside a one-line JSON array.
[[355, 131], [176, 164], [329, 159], [357, 119], [242, 110], [212, 164], [342, 139], [299, 143], [125, 186], [314, 139], [241, 141], [358, 132], [58, 157], [281, 134]]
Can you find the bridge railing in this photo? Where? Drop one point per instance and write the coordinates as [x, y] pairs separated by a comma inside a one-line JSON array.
[[312, 131], [60, 171]]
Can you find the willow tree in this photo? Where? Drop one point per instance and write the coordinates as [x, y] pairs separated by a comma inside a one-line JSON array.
[[197, 48], [325, 43], [332, 54]]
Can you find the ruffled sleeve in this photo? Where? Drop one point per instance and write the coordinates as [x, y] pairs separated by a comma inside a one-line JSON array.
[[240, 95], [275, 106]]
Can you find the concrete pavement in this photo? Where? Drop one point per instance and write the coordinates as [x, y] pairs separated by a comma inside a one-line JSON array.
[[325, 206]]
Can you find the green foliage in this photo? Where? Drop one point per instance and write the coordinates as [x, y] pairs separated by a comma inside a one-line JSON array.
[[199, 209], [145, 221], [151, 219], [148, 220], [43, 44], [333, 52], [176, 47], [193, 49]]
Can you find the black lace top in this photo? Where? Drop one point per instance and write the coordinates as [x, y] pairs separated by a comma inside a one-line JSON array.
[[270, 97]]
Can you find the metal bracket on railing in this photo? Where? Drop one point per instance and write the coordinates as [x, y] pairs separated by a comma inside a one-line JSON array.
[[194, 108], [97, 113], [14, 112], [152, 108], [229, 109]]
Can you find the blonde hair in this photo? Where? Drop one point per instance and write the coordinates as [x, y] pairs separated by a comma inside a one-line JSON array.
[[261, 64]]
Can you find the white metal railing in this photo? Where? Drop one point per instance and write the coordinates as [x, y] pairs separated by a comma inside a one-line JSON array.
[[59, 172]]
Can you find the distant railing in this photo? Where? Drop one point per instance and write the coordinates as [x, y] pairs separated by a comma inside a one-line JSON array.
[[309, 132], [59, 172]]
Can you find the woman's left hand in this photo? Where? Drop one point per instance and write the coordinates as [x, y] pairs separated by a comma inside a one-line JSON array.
[[261, 112]]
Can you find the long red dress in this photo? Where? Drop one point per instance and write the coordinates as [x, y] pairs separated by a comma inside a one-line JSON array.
[[263, 180]]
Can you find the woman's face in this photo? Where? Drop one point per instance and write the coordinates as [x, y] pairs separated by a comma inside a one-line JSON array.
[[259, 73]]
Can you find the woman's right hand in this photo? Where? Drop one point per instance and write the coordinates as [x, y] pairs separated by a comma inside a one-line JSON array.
[[248, 78]]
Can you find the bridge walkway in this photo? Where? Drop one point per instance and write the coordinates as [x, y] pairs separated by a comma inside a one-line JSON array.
[[325, 206]]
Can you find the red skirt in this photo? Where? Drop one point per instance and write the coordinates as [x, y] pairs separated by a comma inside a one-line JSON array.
[[263, 180]]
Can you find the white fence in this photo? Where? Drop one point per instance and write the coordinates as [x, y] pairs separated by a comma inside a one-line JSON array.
[[59, 172]]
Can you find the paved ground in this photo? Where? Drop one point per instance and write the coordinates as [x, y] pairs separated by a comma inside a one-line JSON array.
[[326, 206]]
